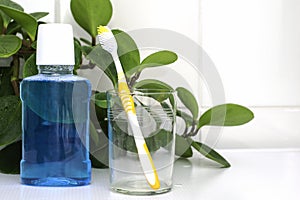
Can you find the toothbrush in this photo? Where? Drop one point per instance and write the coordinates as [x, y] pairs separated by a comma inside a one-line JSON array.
[[109, 43]]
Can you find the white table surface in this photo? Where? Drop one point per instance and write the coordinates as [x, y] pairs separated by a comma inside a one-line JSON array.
[[255, 175]]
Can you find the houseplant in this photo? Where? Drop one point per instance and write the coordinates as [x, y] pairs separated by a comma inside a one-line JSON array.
[[89, 14]]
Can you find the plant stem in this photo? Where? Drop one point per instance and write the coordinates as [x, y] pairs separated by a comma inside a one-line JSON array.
[[134, 79], [26, 52], [27, 43], [4, 30], [93, 41], [193, 131], [15, 77], [193, 128], [185, 133], [196, 131], [90, 65]]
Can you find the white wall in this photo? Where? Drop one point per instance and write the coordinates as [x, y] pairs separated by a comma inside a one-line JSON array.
[[255, 45]]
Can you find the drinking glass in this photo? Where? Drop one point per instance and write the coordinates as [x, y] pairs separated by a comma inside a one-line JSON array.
[[155, 110]]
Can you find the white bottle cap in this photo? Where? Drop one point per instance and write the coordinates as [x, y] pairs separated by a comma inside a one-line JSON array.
[[55, 45]]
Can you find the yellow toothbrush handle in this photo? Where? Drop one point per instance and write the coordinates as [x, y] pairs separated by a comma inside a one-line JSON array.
[[143, 151], [126, 98]]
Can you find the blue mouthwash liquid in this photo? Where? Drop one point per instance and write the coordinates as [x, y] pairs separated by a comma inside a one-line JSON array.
[[55, 130]]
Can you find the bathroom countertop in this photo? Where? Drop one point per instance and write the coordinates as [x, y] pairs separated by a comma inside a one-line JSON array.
[[254, 175]]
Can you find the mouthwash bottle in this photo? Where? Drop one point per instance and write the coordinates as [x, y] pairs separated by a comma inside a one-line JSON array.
[[55, 115]]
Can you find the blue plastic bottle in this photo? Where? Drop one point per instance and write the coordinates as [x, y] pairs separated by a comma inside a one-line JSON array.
[[55, 115]]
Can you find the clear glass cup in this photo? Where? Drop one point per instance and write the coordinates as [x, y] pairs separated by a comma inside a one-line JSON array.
[[155, 110]]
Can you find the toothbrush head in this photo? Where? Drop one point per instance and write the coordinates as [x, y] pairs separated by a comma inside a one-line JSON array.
[[106, 39], [102, 29]]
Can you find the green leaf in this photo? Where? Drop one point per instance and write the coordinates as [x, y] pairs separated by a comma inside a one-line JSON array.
[[226, 115], [86, 50], [186, 117], [9, 45], [100, 118], [99, 143], [34, 44], [10, 4], [39, 15], [160, 90], [158, 59], [100, 99], [128, 52], [153, 85], [89, 14], [210, 153], [156, 140], [87, 42], [78, 55], [97, 163], [160, 138], [94, 134], [10, 118], [104, 61], [183, 147], [188, 100], [13, 28], [1, 24], [28, 22], [10, 158], [30, 68], [5, 81]]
